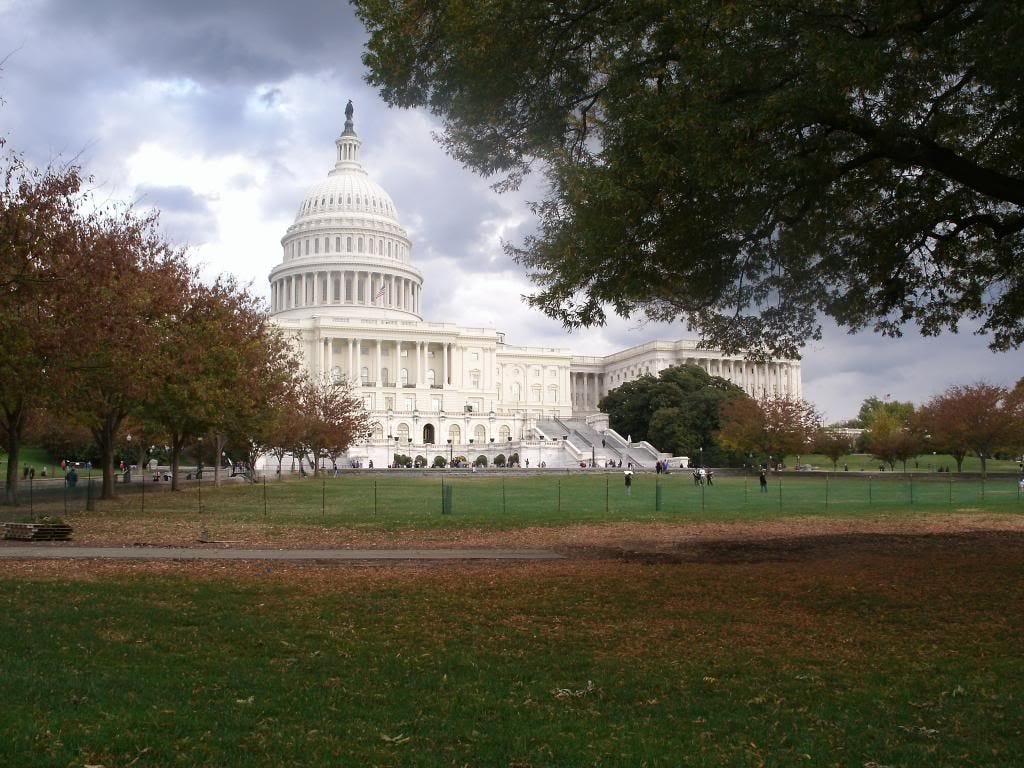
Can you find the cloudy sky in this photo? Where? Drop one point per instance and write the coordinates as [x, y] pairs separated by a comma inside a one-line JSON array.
[[221, 112]]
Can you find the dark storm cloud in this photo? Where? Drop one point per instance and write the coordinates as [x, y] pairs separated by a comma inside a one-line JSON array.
[[185, 217], [227, 41]]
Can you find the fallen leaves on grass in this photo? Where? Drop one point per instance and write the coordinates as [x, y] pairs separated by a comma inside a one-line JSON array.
[[568, 693]]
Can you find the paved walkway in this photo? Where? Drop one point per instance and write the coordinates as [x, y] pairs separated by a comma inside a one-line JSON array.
[[50, 552]]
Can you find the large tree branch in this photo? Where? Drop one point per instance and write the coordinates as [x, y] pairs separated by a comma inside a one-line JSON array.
[[906, 148]]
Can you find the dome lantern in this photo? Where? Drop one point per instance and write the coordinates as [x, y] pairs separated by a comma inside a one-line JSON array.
[[348, 146]]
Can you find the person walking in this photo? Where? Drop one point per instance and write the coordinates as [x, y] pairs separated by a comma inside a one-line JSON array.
[[764, 481], [629, 482]]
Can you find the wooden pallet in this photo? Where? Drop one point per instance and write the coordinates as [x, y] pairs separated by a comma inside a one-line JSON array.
[[37, 531]]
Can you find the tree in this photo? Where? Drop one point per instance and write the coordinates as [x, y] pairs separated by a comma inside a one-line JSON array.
[[980, 417], [872, 406], [772, 425], [38, 226], [832, 444], [677, 411], [749, 166], [223, 364], [128, 288], [332, 417], [891, 439]]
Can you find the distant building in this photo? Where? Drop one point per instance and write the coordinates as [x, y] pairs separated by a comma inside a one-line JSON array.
[[348, 290]]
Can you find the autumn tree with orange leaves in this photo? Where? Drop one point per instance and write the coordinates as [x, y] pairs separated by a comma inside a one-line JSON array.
[[771, 425], [38, 229], [979, 418]]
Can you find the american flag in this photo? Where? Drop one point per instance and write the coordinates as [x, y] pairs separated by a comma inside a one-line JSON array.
[[379, 294]]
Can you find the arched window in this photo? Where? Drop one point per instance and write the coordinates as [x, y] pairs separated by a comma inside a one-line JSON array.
[[378, 431], [403, 434], [504, 433], [359, 244], [480, 433], [348, 244], [364, 375], [428, 434], [403, 377], [455, 434], [371, 245]]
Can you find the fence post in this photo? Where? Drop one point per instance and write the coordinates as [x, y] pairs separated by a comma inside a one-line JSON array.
[[559, 481], [702, 497], [827, 476], [323, 496], [606, 484], [911, 489], [982, 487], [89, 505], [31, 508], [780, 491], [142, 478], [264, 494], [375, 497], [504, 509], [950, 489], [869, 490]]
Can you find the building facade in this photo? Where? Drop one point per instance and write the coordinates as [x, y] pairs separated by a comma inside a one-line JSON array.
[[348, 292]]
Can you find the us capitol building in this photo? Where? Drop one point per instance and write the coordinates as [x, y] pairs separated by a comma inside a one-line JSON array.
[[348, 291]]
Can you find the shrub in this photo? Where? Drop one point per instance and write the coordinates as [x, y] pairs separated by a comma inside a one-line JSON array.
[[440, 461], [499, 460], [480, 461]]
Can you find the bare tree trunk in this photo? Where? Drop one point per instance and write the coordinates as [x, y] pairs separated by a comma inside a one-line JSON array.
[[104, 437], [177, 441], [15, 420], [218, 445]]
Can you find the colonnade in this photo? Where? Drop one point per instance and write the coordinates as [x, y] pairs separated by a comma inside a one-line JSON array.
[[753, 378], [379, 362], [364, 288]]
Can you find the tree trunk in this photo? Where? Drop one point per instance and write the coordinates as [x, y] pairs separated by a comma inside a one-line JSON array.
[[13, 448], [984, 473], [959, 458], [176, 444], [105, 442], [218, 445]]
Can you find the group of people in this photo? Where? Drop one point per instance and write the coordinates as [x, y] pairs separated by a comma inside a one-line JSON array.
[[703, 476]]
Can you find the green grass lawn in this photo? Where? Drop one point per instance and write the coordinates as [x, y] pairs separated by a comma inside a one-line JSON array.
[[869, 659], [923, 463], [389, 500]]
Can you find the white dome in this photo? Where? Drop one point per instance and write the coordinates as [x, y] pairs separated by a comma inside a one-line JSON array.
[[347, 190], [346, 247]]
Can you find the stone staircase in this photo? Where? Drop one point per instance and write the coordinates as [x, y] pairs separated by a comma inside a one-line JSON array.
[[603, 446]]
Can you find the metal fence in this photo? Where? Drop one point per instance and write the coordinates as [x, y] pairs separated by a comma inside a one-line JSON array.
[[554, 494]]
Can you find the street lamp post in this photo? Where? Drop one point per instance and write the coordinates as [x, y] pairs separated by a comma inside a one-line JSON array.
[[449, 453]]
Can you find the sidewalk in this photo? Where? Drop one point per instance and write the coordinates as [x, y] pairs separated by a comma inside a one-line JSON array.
[[50, 552]]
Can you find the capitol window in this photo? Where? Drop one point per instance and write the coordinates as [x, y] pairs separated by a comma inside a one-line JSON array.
[[359, 244], [316, 245], [307, 247], [348, 244], [337, 243]]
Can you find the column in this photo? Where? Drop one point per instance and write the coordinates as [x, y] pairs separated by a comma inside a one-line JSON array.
[[330, 357], [377, 366], [351, 373], [444, 355]]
